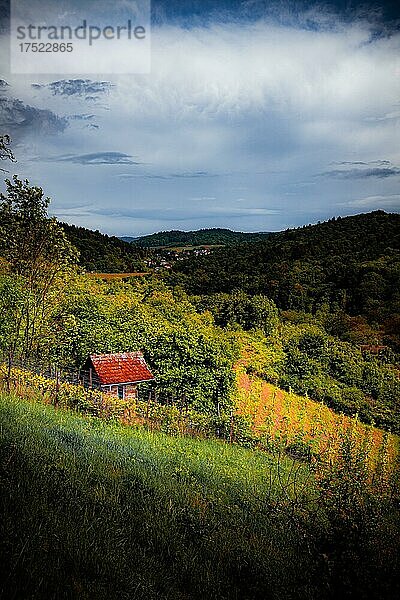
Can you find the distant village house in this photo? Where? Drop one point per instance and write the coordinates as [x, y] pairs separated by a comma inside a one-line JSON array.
[[116, 374]]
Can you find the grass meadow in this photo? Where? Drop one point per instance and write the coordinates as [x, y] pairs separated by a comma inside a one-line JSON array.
[[95, 510]]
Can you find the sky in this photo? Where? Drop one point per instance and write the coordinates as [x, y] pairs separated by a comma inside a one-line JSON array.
[[256, 116]]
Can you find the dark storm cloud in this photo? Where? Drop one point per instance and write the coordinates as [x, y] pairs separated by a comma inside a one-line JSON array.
[[83, 117], [194, 175], [95, 158], [383, 16], [20, 119], [76, 87], [381, 163], [380, 173]]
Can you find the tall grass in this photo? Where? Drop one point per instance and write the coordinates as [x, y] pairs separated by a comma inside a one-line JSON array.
[[96, 510]]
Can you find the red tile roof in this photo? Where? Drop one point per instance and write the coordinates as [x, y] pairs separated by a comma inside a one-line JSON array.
[[125, 367]]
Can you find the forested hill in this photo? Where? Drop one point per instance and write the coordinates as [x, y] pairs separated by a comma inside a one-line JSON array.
[[201, 237], [103, 253], [352, 264]]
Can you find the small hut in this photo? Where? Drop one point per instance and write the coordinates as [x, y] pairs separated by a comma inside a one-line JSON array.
[[116, 374]]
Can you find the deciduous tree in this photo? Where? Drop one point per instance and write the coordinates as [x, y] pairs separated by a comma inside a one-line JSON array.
[[38, 256]]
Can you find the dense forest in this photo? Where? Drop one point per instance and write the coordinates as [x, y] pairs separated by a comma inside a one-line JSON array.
[[347, 267], [208, 237], [101, 253]]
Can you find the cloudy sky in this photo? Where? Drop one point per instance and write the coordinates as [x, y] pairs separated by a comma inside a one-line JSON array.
[[255, 116]]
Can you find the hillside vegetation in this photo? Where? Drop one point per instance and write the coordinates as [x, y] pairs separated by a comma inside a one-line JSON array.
[[215, 236], [307, 429], [359, 238], [348, 267], [118, 512], [94, 510], [53, 315], [102, 253]]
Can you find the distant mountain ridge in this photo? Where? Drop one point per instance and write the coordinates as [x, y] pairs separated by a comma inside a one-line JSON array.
[[213, 236]]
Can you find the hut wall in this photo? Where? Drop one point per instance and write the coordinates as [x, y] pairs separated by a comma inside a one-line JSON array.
[[113, 390], [130, 392]]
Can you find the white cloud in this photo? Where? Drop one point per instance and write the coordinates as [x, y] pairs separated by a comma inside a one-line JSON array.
[[228, 69], [259, 106], [391, 202]]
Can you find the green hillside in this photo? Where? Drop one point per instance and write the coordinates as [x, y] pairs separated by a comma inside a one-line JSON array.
[[201, 237], [96, 510], [348, 267], [102, 253]]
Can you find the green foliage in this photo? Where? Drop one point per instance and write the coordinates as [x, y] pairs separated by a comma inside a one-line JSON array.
[[99, 511], [214, 236], [65, 395], [12, 301], [33, 244], [335, 372], [101, 253], [94, 510], [299, 450], [190, 357], [357, 514], [348, 266], [263, 357], [238, 308], [38, 259]]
